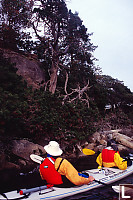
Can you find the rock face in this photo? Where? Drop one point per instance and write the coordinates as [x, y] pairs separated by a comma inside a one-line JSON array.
[[98, 141], [28, 67], [16, 154]]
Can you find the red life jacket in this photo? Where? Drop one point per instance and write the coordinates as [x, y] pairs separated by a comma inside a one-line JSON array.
[[108, 155], [49, 173]]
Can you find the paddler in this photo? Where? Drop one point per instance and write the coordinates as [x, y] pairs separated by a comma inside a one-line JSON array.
[[58, 171], [110, 157]]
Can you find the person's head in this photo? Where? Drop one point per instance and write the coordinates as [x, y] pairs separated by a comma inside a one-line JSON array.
[[112, 144], [108, 143], [53, 148]]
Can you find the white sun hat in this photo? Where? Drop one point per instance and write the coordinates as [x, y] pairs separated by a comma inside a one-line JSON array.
[[53, 149]]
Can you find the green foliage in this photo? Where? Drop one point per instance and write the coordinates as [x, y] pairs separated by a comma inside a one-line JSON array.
[[15, 16], [27, 113], [33, 114], [64, 47], [116, 120], [13, 98], [115, 90], [115, 93], [50, 118], [99, 93], [16, 13], [8, 37]]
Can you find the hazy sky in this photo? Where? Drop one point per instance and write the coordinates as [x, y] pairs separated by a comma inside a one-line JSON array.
[[111, 22]]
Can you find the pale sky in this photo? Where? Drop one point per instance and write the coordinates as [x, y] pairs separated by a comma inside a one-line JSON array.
[[111, 22]]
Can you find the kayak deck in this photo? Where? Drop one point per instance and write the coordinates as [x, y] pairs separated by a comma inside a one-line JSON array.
[[106, 176]]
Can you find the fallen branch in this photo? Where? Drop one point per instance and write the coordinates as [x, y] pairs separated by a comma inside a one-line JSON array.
[[78, 91], [123, 139]]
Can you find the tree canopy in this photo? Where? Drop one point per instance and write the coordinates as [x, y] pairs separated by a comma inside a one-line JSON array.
[[62, 42]]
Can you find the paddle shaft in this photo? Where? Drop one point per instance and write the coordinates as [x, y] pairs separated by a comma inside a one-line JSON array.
[[107, 185], [101, 183]]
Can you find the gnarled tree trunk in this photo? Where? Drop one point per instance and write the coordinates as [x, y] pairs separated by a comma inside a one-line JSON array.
[[53, 79]]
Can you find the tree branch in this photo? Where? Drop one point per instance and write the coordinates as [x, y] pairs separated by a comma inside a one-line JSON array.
[[78, 90]]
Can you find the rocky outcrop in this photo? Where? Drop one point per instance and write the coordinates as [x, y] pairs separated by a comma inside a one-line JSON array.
[[16, 154], [98, 141], [28, 67]]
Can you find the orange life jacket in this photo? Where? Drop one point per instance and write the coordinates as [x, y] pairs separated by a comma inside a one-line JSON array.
[[49, 173]]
